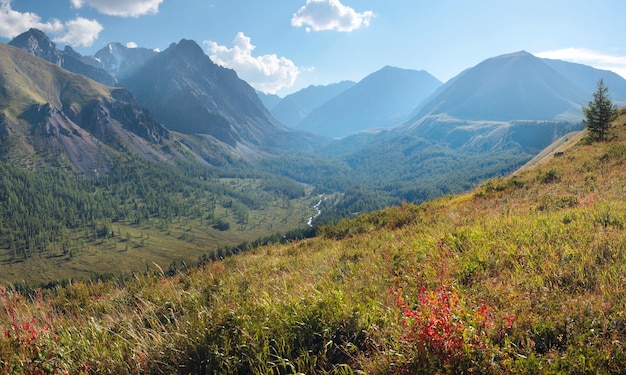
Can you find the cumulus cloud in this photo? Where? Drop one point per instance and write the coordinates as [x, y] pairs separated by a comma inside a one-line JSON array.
[[267, 73], [321, 15], [599, 60], [121, 8], [131, 45], [79, 31]]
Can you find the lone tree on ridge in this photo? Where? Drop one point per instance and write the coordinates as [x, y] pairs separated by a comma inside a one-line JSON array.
[[600, 112]]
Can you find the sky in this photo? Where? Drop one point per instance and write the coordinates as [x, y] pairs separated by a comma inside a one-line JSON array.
[[281, 46]]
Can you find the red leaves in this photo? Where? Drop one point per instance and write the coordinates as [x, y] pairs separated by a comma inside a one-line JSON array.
[[435, 323], [443, 330]]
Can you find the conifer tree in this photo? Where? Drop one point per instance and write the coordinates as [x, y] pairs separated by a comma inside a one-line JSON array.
[[600, 112]]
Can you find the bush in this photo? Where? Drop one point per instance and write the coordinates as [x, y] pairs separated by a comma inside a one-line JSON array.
[[446, 335], [549, 176]]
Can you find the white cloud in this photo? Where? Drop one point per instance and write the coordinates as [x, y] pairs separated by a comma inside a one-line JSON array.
[[322, 15], [13, 23], [121, 8], [79, 31], [131, 45], [267, 73], [599, 60]]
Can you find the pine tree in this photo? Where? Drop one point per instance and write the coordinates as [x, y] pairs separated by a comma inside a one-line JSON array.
[[600, 112]]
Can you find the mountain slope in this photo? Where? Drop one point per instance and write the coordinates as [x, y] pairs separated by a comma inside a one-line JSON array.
[[587, 77], [190, 94], [37, 43], [381, 99], [119, 60], [52, 116], [509, 102], [517, 86], [295, 107]]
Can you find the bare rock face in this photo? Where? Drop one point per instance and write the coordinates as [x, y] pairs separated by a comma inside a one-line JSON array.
[[127, 111], [106, 116], [52, 134]]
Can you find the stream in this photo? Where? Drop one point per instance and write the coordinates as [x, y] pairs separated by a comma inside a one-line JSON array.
[[319, 211]]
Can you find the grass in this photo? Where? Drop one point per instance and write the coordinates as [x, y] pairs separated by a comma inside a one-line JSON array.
[[523, 274], [19, 67]]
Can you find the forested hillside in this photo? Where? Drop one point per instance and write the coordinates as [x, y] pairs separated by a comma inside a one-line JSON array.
[[523, 274], [57, 226]]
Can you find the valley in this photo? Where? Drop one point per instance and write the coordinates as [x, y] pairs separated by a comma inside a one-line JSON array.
[[185, 161], [523, 274], [131, 227]]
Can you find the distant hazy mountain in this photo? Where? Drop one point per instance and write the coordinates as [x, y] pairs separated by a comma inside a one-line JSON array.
[[190, 94], [382, 99], [295, 107], [50, 116], [517, 86], [37, 43], [587, 77], [121, 61], [269, 100], [510, 103]]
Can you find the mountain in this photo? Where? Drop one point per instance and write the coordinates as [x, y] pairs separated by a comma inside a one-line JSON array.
[[517, 86], [50, 116], [269, 100], [508, 102], [381, 99], [293, 108], [37, 43], [77, 156], [587, 77], [121, 61], [190, 94]]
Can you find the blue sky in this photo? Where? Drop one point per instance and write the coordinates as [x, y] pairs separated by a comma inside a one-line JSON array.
[[280, 46]]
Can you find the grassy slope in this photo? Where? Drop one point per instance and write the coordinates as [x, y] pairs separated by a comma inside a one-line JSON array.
[[26, 81], [33, 80], [522, 275]]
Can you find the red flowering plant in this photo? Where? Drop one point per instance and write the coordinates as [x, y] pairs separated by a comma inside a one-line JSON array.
[[444, 333]]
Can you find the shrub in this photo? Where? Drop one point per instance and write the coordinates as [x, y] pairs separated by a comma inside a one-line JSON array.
[[549, 176], [443, 333]]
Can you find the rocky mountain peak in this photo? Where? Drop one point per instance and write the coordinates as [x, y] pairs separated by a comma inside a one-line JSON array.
[[37, 43], [189, 51], [121, 61]]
